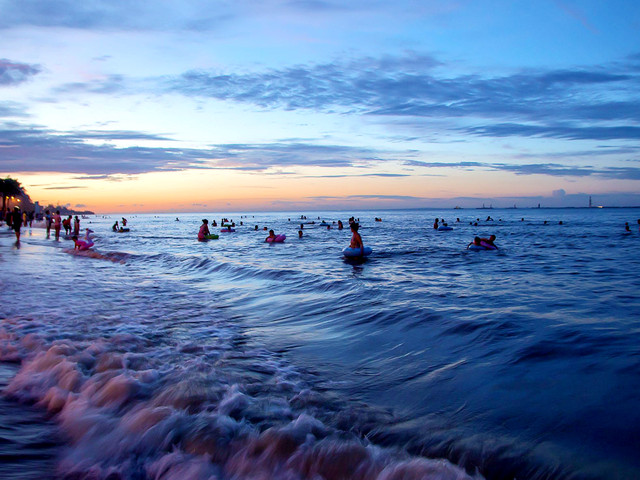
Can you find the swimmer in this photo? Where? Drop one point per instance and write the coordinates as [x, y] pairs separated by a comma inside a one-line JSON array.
[[272, 236], [435, 224], [626, 227], [489, 241], [115, 227], [299, 233], [340, 226], [477, 241], [356, 239], [204, 230]]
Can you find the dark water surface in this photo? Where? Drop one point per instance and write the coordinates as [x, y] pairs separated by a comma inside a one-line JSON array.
[[169, 358]]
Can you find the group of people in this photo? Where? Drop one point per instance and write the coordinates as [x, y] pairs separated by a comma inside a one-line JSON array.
[[484, 242], [123, 228], [15, 220], [356, 239], [627, 228]]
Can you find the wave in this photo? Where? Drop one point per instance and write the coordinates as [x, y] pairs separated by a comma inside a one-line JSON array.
[[127, 413]]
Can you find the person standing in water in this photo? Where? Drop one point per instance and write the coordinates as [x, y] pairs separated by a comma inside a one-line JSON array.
[[57, 223], [356, 239], [16, 222], [48, 220]]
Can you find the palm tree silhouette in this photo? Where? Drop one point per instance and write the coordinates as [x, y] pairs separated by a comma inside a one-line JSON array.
[[10, 187]]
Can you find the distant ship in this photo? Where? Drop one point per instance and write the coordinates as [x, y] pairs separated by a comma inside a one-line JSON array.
[[490, 207]]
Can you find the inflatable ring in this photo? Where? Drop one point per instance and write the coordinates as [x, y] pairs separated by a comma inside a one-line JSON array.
[[357, 252], [278, 239]]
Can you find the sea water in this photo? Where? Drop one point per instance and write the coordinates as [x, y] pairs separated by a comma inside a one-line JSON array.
[[164, 357]]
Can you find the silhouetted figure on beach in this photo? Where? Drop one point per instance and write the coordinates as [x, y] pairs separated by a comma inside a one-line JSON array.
[[16, 222]]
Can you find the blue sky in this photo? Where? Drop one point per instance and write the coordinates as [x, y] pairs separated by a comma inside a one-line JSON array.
[[321, 104]]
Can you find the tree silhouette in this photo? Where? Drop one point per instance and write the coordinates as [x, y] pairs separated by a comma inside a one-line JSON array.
[[10, 187]]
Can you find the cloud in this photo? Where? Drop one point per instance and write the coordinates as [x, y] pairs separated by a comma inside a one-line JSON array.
[[39, 150], [14, 73], [35, 149], [581, 103], [559, 193], [115, 14], [109, 85], [12, 109], [411, 86], [549, 169], [557, 131], [115, 135]]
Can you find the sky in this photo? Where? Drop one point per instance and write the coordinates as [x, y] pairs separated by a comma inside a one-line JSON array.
[[259, 105]]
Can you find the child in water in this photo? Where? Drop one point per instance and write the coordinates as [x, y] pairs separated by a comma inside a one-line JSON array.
[[85, 244], [204, 230], [271, 237], [356, 239]]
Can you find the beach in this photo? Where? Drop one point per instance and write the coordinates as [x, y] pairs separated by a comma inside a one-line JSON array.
[[170, 358]]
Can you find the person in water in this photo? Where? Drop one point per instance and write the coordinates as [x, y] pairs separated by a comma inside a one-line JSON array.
[[484, 242], [16, 222], [477, 241], [66, 223], [48, 220], [204, 230], [57, 223], [489, 241], [435, 224], [85, 244], [356, 239], [115, 227], [299, 233], [340, 226], [271, 237], [626, 227]]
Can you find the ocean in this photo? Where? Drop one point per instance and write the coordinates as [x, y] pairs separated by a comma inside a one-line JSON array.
[[161, 357]]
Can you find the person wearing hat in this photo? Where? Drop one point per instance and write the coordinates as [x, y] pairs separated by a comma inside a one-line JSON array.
[[17, 222]]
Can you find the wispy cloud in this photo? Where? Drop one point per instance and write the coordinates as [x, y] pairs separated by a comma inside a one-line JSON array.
[[114, 14], [12, 109], [14, 73], [582, 103], [557, 131], [549, 169], [39, 150], [387, 87]]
